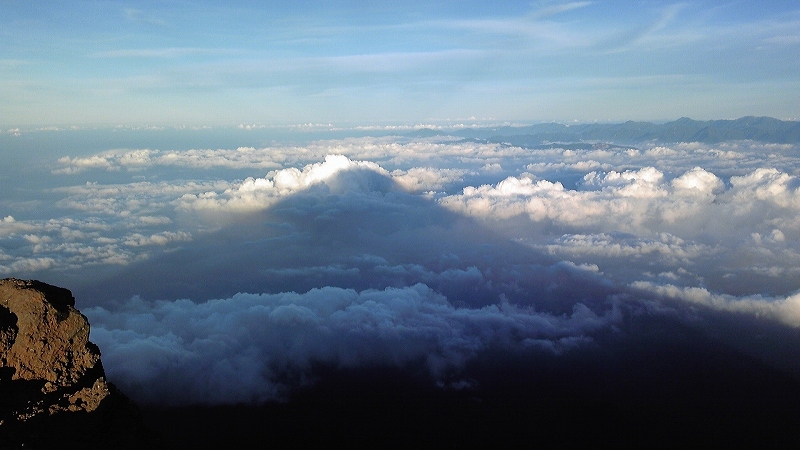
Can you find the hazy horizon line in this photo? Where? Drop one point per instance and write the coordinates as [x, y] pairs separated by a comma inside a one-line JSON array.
[[386, 125]]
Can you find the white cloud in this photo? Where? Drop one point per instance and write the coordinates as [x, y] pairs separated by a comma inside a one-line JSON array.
[[768, 185], [27, 265], [579, 166], [698, 182], [132, 160], [665, 247], [10, 226], [642, 202], [785, 310], [132, 199], [154, 220], [421, 179], [76, 165], [139, 240], [260, 193]]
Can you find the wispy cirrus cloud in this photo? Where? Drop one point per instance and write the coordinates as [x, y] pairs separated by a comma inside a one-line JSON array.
[[140, 16], [14, 62], [172, 52]]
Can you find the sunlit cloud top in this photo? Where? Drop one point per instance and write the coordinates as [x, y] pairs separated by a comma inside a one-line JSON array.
[[368, 62]]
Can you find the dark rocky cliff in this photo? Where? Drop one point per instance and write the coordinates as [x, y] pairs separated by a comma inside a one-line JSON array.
[[53, 390]]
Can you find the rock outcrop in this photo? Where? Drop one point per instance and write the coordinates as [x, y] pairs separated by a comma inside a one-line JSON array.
[[53, 390]]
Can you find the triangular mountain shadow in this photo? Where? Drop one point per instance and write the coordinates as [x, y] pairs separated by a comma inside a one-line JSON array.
[[359, 230], [652, 378]]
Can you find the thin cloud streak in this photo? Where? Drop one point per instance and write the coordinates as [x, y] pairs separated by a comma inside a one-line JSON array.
[[175, 52]]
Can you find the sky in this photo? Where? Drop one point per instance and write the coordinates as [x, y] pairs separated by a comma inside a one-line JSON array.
[[353, 62]]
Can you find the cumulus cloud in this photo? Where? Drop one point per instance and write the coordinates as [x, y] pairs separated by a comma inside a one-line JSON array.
[[137, 199], [139, 159], [782, 309], [241, 349], [641, 201], [259, 193], [25, 265], [667, 247], [732, 236], [769, 185], [698, 182], [41, 246], [138, 240], [422, 179], [10, 226], [392, 152], [75, 165]]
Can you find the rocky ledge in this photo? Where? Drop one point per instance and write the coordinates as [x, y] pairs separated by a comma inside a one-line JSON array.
[[53, 390]]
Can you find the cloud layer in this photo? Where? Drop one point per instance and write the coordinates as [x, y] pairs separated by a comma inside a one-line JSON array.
[[428, 252]]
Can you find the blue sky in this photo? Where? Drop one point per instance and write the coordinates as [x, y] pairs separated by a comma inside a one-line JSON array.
[[386, 62]]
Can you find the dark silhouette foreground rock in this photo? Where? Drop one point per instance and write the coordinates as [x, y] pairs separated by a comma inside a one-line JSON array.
[[53, 390]]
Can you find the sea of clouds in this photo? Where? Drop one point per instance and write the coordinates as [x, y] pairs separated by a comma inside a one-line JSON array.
[[226, 276]]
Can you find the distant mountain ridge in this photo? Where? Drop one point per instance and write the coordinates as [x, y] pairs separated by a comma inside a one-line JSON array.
[[760, 129]]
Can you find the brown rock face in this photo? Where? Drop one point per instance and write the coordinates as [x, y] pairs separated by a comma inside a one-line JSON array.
[[53, 390]]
